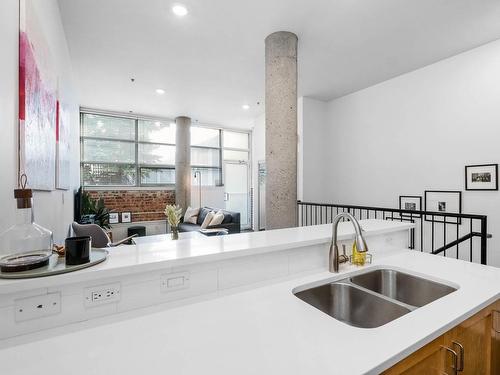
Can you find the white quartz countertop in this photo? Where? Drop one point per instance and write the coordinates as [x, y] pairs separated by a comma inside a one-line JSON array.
[[130, 259], [266, 330]]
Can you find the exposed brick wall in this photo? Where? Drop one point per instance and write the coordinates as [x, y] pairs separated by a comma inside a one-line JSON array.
[[144, 205]]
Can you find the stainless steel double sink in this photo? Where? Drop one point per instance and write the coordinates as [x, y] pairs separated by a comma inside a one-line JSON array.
[[373, 298]]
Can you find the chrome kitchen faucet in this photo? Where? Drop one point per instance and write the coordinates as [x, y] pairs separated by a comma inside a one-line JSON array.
[[334, 258]]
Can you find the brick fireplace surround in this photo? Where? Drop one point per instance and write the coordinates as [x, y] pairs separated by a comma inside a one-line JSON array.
[[145, 205]]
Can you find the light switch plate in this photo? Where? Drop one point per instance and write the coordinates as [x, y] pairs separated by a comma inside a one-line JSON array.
[[37, 307], [174, 281]]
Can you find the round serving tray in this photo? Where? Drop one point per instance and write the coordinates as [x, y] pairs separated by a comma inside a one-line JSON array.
[[26, 261], [56, 266]]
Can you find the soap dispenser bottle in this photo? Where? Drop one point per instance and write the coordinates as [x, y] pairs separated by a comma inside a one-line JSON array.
[[359, 259]]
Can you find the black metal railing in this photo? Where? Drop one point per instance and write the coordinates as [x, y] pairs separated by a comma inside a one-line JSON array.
[[460, 235]]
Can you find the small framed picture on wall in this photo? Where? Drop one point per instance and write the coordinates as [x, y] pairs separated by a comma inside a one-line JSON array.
[[410, 203], [126, 217], [481, 177], [443, 201], [114, 218]]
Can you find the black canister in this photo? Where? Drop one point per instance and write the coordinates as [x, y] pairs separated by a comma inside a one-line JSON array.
[[78, 250]]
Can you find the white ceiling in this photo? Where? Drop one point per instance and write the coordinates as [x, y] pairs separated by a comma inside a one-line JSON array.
[[212, 61]]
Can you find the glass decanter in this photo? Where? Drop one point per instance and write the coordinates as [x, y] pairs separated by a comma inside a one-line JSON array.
[[25, 245]]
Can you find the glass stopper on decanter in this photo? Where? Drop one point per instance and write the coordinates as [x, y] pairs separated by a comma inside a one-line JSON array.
[[25, 245]]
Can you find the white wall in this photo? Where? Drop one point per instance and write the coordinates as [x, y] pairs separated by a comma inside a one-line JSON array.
[[8, 107], [258, 154], [312, 168], [412, 133], [54, 210]]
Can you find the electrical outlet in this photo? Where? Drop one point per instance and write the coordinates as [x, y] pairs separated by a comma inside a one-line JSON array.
[[174, 281], [37, 307], [101, 294]]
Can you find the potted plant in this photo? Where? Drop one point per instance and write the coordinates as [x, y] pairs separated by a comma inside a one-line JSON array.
[[94, 211], [173, 214]]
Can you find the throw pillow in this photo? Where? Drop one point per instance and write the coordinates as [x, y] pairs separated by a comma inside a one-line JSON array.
[[217, 219], [207, 220], [202, 214], [191, 215]]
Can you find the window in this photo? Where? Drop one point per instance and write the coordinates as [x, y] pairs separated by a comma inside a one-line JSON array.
[[123, 151], [120, 151], [236, 157], [156, 132], [236, 146], [205, 137], [235, 140], [158, 176], [206, 156], [102, 174], [108, 127]]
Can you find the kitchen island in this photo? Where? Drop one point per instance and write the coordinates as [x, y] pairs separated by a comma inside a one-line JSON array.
[[260, 328]]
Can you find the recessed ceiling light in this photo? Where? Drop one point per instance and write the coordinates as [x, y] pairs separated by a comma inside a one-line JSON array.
[[179, 10], [160, 91], [245, 107]]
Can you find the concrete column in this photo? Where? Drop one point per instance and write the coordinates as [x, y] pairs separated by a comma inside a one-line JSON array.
[[281, 130], [183, 162]]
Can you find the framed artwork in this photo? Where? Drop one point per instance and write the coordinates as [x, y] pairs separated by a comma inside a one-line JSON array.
[[114, 218], [410, 203], [481, 177], [37, 102], [126, 217], [62, 147], [445, 201]]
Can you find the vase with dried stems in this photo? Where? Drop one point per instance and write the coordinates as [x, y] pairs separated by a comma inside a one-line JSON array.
[[173, 214]]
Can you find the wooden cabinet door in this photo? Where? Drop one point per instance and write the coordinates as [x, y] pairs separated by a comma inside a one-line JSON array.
[[495, 341], [473, 336], [477, 336], [471, 348], [428, 360]]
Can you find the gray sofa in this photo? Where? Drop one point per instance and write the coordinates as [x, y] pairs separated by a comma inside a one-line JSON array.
[[231, 221]]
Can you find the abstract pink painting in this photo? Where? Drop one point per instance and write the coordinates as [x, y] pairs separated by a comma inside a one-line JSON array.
[[62, 146], [37, 102]]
